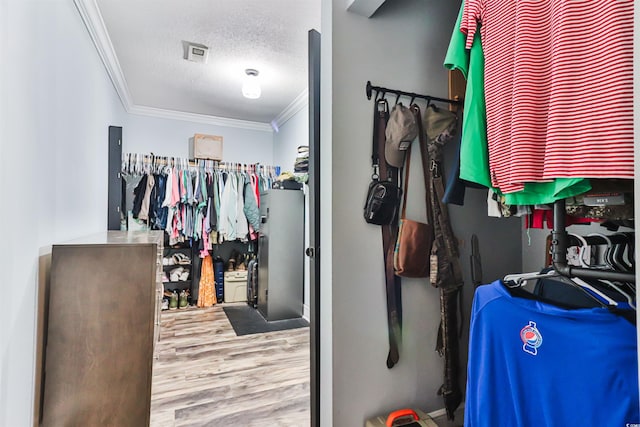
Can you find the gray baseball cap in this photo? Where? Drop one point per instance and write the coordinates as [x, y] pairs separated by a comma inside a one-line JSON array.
[[402, 129]]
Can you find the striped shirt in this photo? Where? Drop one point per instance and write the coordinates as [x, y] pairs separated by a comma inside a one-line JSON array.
[[558, 87]]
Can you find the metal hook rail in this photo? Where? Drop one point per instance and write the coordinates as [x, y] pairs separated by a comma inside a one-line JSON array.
[[383, 91]]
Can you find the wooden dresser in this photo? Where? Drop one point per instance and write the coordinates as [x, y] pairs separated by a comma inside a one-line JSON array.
[[103, 322]]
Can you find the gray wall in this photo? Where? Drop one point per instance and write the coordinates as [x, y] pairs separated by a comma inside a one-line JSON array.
[[401, 47]]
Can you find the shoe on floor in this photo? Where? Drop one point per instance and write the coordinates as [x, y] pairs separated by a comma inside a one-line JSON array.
[[173, 302], [184, 303]]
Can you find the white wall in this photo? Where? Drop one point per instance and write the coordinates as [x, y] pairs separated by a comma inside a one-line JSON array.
[[167, 137], [57, 102], [402, 46], [293, 133]]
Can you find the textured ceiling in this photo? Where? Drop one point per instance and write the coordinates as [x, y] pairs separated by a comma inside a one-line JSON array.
[[269, 35]]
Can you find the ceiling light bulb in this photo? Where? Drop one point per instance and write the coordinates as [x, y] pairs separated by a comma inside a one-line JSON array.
[[251, 86]]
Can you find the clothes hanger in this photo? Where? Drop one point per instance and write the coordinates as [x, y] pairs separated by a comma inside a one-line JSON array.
[[581, 249], [520, 279], [514, 281], [627, 296], [620, 250], [610, 302], [607, 254], [617, 255]]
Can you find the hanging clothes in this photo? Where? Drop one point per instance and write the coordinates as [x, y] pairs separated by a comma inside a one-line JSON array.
[[251, 210], [242, 226], [139, 193], [146, 199], [474, 161], [541, 119], [194, 203], [207, 290], [529, 347]]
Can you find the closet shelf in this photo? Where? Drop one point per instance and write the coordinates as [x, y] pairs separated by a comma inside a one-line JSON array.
[[179, 282], [174, 266]]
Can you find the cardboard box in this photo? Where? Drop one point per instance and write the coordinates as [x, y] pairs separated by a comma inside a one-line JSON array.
[[208, 147]]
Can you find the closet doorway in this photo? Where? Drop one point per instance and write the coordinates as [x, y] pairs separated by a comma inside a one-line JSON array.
[[206, 372]]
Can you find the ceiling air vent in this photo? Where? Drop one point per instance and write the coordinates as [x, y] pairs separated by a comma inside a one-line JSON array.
[[197, 53]]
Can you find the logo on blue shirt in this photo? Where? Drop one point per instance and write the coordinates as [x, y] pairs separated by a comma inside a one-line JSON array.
[[531, 338]]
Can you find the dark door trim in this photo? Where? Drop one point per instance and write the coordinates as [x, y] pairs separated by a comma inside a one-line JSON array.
[[115, 197], [314, 219]]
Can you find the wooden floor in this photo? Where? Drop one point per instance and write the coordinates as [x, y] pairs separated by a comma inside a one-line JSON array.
[[207, 376]]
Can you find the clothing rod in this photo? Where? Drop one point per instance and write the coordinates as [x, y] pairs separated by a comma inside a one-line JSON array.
[[379, 89], [559, 241], [152, 159]]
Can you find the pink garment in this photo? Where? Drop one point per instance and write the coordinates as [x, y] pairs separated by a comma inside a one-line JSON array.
[[205, 240], [175, 190], [545, 64], [254, 186]]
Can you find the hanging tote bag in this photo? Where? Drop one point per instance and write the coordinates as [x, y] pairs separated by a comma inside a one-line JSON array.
[[415, 239]]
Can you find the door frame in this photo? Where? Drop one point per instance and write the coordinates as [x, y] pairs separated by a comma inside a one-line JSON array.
[[314, 219]]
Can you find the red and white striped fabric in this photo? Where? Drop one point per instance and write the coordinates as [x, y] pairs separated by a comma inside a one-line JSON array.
[[558, 87]]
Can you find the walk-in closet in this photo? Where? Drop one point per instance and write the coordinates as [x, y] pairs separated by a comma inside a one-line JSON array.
[[427, 217]]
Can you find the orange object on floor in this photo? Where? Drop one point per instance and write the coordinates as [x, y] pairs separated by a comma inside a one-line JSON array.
[[207, 292]]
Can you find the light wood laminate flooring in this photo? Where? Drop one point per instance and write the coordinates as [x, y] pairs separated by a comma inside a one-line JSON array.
[[205, 375]]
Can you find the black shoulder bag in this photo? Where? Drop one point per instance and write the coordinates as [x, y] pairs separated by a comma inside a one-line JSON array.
[[381, 208]]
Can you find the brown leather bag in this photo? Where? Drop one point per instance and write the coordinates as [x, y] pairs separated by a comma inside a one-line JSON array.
[[415, 239]]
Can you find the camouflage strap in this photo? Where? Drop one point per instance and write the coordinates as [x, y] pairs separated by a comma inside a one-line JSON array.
[[450, 389], [448, 278]]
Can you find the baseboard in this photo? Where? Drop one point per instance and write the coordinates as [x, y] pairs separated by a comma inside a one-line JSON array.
[[306, 312], [443, 412]]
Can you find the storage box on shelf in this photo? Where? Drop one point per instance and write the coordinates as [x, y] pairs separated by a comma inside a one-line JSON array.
[[235, 286]]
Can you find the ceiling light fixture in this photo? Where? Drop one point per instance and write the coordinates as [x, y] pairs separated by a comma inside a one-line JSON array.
[[251, 86]]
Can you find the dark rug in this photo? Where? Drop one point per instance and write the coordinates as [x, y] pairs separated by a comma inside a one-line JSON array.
[[247, 320]]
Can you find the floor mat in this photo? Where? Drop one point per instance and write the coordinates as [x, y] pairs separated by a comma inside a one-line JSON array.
[[246, 320]]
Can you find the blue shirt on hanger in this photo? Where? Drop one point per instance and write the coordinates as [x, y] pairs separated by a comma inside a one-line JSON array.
[[533, 364]]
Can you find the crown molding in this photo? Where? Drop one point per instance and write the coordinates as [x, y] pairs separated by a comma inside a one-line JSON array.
[[92, 19], [199, 118], [364, 8], [300, 102], [90, 14]]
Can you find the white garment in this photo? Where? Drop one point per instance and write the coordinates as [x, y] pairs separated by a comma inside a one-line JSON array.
[[227, 224], [242, 225], [168, 188], [146, 199], [493, 207]]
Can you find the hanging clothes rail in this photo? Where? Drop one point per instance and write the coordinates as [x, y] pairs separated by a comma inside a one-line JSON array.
[[138, 163], [559, 244], [382, 91]]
